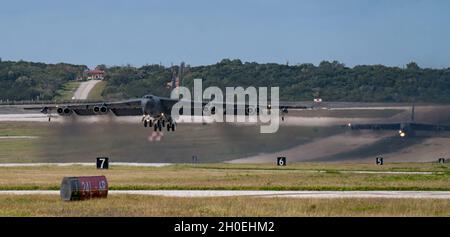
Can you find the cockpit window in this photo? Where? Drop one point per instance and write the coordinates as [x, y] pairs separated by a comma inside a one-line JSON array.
[[148, 97]]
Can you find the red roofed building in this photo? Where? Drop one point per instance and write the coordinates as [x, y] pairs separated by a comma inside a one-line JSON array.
[[95, 74]]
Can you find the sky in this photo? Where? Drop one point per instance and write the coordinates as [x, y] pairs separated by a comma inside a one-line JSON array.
[[202, 32]]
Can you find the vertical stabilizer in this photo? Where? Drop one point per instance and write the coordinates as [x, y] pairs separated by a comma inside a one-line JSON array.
[[180, 75], [177, 78], [174, 78]]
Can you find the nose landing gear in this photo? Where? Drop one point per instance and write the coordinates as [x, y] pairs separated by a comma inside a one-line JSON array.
[[171, 127]]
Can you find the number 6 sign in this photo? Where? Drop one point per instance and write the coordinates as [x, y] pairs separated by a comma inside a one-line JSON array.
[[281, 161]]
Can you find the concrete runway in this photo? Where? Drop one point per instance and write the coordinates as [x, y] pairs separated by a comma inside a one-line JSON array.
[[35, 117], [269, 194]]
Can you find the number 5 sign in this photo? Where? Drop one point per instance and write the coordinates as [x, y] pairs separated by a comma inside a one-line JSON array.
[[102, 162]]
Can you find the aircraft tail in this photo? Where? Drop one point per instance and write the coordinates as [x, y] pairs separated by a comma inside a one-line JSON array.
[[172, 84], [177, 78], [180, 75], [412, 112]]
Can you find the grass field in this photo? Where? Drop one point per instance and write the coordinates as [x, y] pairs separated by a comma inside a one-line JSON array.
[[96, 92], [20, 150], [130, 205], [66, 92], [299, 176]]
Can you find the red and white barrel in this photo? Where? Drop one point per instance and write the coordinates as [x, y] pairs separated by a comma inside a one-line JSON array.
[[83, 188]]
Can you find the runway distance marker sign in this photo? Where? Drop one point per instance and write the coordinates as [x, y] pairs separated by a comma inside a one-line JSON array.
[[379, 160], [102, 163], [281, 161]]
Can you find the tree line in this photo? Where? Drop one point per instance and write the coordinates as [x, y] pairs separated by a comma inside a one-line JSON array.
[[333, 81], [35, 81]]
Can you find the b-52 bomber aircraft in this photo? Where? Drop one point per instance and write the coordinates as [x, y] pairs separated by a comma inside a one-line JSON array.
[[155, 110], [404, 129]]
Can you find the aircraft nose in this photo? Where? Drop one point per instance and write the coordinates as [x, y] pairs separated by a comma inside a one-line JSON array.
[[148, 103]]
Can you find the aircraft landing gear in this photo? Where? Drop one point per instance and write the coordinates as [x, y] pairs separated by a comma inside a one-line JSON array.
[[170, 127], [157, 126], [146, 120], [158, 123]]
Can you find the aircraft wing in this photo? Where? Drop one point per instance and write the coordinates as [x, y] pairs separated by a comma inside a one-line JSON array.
[[120, 108], [375, 126], [209, 107], [133, 107], [283, 107], [429, 127], [167, 104]]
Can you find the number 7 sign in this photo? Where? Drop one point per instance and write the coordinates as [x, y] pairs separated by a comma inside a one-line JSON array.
[[102, 162]]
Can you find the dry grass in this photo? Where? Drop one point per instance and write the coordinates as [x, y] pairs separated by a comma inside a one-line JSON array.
[[22, 129], [337, 166], [96, 92], [128, 205], [228, 176], [67, 91], [20, 150], [235, 177]]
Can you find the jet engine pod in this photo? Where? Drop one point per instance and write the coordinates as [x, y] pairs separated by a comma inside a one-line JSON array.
[[100, 109], [64, 111], [103, 110]]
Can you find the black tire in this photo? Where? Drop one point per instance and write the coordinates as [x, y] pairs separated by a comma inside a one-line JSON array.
[[155, 127], [168, 127], [150, 123], [173, 127], [145, 123]]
